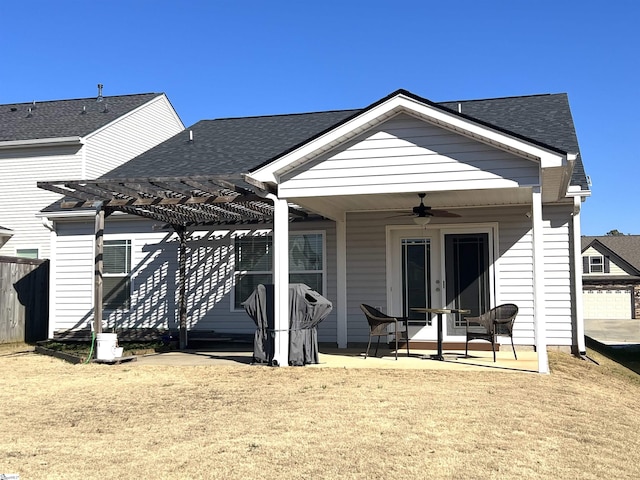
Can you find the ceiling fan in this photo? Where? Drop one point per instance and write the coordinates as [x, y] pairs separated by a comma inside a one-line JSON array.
[[422, 214]]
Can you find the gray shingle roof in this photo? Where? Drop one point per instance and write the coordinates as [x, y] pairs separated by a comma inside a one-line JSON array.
[[65, 118], [235, 145], [627, 247], [228, 145]]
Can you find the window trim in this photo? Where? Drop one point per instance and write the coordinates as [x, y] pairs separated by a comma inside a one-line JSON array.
[[128, 275]]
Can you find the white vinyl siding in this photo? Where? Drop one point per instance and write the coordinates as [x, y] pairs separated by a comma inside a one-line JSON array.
[[366, 270], [154, 279], [130, 136], [21, 199], [404, 151], [514, 274], [557, 274], [71, 286]]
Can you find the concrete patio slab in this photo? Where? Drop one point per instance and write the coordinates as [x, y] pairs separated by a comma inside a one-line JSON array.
[[354, 358]]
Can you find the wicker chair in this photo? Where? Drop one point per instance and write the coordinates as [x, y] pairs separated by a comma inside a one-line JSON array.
[[497, 321], [378, 323]]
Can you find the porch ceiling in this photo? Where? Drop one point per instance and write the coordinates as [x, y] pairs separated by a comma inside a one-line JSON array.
[[405, 201], [172, 200]]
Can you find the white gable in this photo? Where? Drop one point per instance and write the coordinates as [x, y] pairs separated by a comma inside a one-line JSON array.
[[404, 154], [391, 107]]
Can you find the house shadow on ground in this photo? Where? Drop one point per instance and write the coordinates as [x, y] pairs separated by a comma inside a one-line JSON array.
[[627, 354]]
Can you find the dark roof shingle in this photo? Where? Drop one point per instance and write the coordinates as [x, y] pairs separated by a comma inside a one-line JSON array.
[[237, 145], [64, 118]]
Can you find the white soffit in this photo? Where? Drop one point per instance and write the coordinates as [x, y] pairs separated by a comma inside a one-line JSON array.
[[404, 104]]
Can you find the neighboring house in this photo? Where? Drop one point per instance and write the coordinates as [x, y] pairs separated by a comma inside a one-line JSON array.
[[335, 193], [72, 139], [611, 277]]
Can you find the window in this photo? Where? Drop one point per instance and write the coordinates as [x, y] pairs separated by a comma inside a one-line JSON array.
[[252, 266], [253, 262], [27, 252], [596, 264], [116, 280]]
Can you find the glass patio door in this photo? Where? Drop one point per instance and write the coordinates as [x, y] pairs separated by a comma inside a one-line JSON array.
[[416, 276], [467, 276]]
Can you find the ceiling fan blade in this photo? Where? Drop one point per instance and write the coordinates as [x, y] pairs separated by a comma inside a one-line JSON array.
[[443, 213]]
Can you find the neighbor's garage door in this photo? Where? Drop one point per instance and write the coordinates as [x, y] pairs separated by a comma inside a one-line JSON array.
[[604, 304]]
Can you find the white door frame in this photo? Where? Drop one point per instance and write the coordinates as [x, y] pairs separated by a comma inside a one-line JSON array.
[[436, 233]]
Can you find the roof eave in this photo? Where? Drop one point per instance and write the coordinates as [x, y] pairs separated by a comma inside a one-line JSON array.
[[41, 142]]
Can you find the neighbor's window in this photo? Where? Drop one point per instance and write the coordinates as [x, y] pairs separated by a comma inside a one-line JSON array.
[[116, 274], [27, 252], [596, 264], [253, 262]]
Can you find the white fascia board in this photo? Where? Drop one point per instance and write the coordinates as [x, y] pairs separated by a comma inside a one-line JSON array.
[[403, 104], [41, 142], [5, 232]]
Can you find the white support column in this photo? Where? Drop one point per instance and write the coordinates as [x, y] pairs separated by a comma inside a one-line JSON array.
[[539, 304], [577, 262], [341, 281], [281, 280]]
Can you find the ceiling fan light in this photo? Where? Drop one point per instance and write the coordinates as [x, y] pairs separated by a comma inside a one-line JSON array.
[[422, 221]]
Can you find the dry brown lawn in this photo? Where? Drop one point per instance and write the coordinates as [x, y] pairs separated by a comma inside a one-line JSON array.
[[131, 421]]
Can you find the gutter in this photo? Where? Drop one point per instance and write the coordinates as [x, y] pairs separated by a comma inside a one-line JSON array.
[[41, 142]]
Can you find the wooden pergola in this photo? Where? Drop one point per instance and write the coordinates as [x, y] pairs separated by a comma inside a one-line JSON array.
[[177, 202]]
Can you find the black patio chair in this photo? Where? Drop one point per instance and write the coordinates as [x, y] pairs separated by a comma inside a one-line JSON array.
[[378, 323], [497, 321]]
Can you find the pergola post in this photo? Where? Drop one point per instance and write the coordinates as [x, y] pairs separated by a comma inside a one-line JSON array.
[[182, 296], [98, 269]]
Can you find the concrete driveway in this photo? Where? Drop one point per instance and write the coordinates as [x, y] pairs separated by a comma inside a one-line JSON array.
[[613, 332]]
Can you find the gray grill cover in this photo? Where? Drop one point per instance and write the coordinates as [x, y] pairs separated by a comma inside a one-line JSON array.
[[307, 308]]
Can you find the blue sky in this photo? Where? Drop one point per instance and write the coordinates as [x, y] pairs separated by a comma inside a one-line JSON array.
[[228, 58]]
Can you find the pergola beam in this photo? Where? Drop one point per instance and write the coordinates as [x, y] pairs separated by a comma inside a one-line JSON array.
[[172, 200]]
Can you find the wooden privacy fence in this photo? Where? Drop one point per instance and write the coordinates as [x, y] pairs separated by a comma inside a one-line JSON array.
[[24, 299]]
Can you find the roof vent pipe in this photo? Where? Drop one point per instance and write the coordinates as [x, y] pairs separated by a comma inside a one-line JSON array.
[[459, 108], [191, 135], [99, 99]]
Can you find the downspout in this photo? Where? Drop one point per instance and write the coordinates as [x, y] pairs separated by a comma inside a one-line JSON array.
[[53, 243], [577, 284]]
